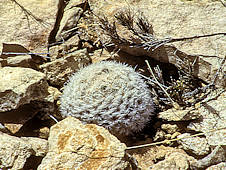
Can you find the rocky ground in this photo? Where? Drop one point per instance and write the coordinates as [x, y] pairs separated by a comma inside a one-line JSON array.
[[178, 47]]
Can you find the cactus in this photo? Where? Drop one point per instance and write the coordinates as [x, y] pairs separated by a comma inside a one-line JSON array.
[[108, 94]]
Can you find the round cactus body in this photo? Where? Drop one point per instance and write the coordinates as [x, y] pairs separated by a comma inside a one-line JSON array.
[[108, 94]]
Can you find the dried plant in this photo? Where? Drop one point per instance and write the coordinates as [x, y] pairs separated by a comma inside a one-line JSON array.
[[186, 90]]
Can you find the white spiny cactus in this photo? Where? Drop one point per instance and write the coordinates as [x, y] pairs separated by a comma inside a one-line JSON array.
[[109, 94]]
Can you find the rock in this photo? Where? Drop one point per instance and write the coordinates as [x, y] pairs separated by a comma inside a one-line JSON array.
[[148, 156], [16, 55], [44, 133], [219, 166], [216, 156], [68, 46], [73, 145], [4, 129], [13, 152], [194, 145], [170, 128], [162, 157], [20, 86], [178, 20], [182, 21], [58, 71], [100, 55], [179, 115], [160, 135], [206, 54], [213, 121], [15, 119], [71, 15], [20, 61], [18, 153], [208, 68], [29, 28], [10, 56], [175, 160], [54, 94], [39, 146]]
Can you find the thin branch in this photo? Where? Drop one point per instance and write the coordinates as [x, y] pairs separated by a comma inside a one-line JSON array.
[[197, 36], [172, 140], [159, 84], [153, 81], [223, 3], [52, 117], [28, 13], [30, 53], [218, 71]]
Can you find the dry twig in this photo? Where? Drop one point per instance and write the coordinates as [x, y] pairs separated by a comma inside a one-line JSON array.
[[29, 13], [172, 140]]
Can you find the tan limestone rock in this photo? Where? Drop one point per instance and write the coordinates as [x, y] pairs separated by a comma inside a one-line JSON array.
[[148, 156], [54, 94], [175, 160], [39, 146], [177, 21], [180, 20], [61, 50], [19, 61], [219, 166], [58, 71], [71, 16], [171, 129], [73, 145], [212, 111], [29, 29], [179, 115], [195, 145], [13, 152], [19, 86], [43, 133]]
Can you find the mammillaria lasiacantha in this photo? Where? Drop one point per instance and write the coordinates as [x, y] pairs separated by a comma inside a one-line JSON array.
[[108, 94]]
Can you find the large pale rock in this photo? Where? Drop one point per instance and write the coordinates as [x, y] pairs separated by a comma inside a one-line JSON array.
[[59, 70], [178, 20], [178, 160], [19, 86], [188, 18], [15, 55], [73, 145], [71, 15], [13, 152], [213, 116], [21, 27], [195, 145], [14, 120]]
